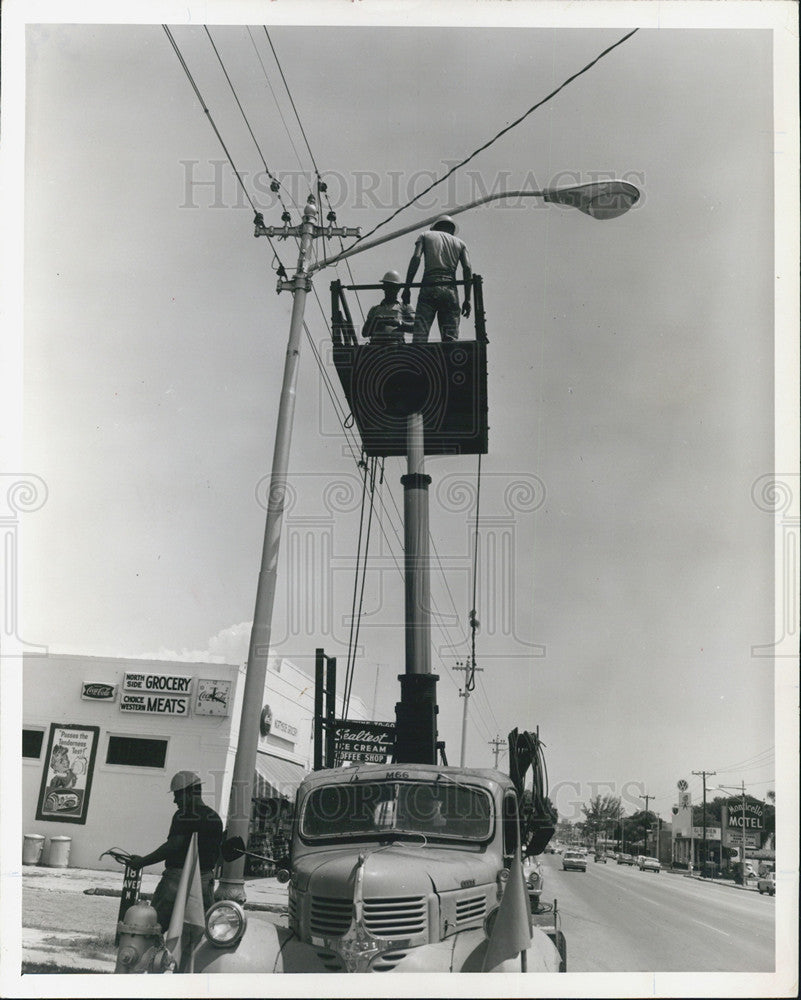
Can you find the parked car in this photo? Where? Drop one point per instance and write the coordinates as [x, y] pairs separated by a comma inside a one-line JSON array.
[[574, 861], [625, 859], [650, 865], [767, 884], [534, 883], [600, 857]]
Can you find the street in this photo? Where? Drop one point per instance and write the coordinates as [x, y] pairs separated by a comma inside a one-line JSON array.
[[619, 919]]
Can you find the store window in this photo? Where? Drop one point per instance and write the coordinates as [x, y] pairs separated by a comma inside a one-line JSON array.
[[135, 751], [32, 740]]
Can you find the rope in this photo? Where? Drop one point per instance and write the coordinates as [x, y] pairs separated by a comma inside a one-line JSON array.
[[373, 463], [470, 680], [495, 138]]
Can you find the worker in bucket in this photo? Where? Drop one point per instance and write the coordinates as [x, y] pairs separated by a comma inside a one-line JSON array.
[[441, 252], [387, 322], [192, 816]]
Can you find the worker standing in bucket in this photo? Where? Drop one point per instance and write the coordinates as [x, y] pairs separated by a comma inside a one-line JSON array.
[[192, 816], [387, 322], [441, 251]]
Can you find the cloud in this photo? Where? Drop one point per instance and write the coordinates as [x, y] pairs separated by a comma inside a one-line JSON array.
[[229, 645]]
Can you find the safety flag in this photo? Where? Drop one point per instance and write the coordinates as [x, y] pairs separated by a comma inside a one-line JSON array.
[[511, 932], [188, 915]]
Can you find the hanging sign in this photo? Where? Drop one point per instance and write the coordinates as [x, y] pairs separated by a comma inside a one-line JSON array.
[[365, 742], [213, 697], [67, 776]]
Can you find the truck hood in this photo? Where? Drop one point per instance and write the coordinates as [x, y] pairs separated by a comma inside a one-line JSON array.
[[406, 869]]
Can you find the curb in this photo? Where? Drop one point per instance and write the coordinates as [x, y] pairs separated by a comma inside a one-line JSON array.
[[146, 896], [726, 885]]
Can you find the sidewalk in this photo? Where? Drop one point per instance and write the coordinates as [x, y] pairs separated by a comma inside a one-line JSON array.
[[262, 893], [723, 881]]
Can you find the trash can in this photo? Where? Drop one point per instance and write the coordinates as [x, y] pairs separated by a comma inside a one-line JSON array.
[[59, 856], [32, 846]]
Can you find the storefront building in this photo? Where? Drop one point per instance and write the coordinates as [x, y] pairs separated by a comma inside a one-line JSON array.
[[101, 738]]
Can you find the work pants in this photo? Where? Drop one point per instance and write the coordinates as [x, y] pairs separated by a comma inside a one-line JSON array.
[[441, 301]]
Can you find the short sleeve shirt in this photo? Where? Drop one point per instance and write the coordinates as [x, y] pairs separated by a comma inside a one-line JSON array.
[[203, 820], [441, 251], [388, 317]]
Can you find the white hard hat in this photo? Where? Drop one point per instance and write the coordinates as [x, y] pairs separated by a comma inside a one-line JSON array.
[[443, 221], [392, 278], [184, 779]]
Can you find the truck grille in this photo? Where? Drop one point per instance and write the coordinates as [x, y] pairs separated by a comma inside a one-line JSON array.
[[330, 917], [471, 908], [401, 916]]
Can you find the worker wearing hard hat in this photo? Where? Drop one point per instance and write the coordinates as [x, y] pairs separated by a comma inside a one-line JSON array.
[[441, 252], [192, 816], [387, 322]]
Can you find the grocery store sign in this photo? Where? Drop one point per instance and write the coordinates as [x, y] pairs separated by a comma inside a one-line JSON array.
[[174, 684], [363, 742], [154, 704]]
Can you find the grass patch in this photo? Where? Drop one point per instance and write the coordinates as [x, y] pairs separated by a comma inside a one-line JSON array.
[[53, 968]]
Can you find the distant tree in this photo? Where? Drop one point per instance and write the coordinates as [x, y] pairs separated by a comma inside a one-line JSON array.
[[600, 816]]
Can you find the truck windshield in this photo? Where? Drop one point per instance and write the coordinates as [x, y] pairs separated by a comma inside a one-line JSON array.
[[378, 808]]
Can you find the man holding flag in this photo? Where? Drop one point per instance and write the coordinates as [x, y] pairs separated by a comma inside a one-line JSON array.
[[192, 846]]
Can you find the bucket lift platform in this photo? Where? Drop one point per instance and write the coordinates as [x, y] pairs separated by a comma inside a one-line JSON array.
[[383, 384]]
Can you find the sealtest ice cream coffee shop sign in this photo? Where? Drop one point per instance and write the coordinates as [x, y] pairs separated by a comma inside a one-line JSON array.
[[157, 694]]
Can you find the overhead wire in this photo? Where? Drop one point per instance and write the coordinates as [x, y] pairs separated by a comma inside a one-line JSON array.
[[495, 138], [204, 106]]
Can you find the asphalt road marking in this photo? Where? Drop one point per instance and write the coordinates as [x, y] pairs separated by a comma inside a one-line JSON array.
[[710, 926]]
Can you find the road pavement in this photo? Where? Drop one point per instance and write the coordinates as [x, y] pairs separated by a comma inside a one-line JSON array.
[[619, 919]]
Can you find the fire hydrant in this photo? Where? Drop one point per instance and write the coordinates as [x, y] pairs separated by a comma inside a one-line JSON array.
[[141, 948]]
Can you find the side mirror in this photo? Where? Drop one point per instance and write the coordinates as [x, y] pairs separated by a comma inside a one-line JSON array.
[[233, 848]]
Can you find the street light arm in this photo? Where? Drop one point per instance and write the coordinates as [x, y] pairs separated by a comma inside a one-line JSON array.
[[602, 200]]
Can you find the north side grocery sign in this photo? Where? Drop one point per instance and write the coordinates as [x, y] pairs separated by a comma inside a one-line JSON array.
[[156, 694]]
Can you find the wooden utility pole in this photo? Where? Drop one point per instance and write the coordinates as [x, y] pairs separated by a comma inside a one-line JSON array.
[[496, 745], [703, 774], [469, 670]]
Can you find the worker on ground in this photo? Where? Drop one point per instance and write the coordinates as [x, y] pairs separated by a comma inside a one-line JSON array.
[[387, 322], [441, 252], [192, 816]]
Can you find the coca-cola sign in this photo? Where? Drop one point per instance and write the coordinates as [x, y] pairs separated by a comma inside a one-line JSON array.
[[96, 691], [365, 742]]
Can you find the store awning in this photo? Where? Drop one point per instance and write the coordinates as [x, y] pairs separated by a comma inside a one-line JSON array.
[[276, 778]]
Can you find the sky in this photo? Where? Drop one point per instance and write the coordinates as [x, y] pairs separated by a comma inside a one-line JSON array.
[[625, 525]]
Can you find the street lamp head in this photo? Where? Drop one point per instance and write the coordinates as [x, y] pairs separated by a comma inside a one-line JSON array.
[[602, 200]]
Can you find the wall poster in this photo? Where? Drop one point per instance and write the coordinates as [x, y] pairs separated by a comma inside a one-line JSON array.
[[67, 776]]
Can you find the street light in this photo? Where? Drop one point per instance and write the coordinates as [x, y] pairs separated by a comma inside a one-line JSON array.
[[604, 200], [600, 200]]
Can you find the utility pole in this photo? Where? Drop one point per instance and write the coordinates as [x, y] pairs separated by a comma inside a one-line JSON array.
[[232, 882], [647, 800], [496, 745], [703, 775], [469, 671]]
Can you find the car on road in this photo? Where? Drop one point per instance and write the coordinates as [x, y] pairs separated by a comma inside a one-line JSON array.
[[625, 859], [534, 882], [574, 861], [767, 884], [600, 857], [650, 865]]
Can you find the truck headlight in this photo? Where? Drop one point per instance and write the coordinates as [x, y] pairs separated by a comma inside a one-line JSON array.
[[225, 923]]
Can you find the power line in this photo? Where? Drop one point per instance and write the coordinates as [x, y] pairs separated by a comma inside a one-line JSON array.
[[275, 186], [495, 138]]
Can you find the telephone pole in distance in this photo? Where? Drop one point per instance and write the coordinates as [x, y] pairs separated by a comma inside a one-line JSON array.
[[703, 774]]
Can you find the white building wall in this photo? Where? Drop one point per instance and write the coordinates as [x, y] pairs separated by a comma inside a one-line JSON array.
[[129, 806]]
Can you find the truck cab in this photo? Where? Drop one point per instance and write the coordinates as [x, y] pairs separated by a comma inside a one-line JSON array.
[[398, 867]]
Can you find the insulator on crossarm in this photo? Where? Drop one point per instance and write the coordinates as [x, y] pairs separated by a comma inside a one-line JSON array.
[[274, 185], [286, 218], [332, 216], [258, 220], [322, 186]]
